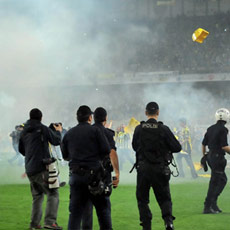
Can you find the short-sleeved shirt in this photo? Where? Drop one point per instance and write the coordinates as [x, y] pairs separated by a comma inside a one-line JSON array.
[[216, 137], [109, 134]]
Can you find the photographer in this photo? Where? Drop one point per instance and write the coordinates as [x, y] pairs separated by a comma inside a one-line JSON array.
[[84, 146], [33, 144]]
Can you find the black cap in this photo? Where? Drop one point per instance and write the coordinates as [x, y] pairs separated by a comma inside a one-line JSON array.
[[100, 114], [36, 114], [152, 107], [83, 112]]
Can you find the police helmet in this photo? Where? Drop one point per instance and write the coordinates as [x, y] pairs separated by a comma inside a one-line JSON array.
[[222, 114]]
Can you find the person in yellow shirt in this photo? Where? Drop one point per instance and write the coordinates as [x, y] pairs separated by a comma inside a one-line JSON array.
[[184, 138]]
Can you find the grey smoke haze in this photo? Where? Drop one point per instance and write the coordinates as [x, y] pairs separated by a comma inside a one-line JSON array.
[[54, 42], [183, 100], [62, 43]]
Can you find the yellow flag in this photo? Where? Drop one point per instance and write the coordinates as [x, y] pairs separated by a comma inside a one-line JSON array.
[[133, 123]]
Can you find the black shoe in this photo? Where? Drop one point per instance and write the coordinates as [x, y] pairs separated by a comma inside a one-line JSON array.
[[216, 208], [169, 226], [53, 226], [62, 184], [209, 211]]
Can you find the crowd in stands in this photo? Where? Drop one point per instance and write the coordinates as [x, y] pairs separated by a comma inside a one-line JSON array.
[[170, 46]]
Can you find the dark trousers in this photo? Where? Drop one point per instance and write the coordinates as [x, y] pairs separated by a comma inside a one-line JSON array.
[[218, 180], [189, 162], [80, 198], [38, 188], [156, 177], [87, 217]]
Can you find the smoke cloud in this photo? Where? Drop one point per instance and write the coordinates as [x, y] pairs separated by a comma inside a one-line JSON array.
[[51, 51]]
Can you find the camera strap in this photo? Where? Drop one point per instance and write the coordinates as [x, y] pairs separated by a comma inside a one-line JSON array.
[[173, 163]]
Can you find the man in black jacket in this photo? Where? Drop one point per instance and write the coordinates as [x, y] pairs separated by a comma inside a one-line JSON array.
[[34, 145], [154, 143], [84, 146]]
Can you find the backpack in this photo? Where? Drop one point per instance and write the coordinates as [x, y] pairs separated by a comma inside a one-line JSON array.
[[150, 140]]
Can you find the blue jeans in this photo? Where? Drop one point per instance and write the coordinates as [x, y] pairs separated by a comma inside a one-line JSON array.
[[80, 197]]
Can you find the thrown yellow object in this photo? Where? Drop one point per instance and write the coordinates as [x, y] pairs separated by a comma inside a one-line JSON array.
[[199, 35]]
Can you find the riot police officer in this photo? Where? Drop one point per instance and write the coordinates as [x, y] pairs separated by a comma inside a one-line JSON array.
[[84, 146], [216, 140], [154, 144]]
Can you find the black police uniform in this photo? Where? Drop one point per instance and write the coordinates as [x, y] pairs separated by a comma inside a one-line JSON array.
[[85, 146], [87, 218], [216, 138], [153, 142], [109, 134]]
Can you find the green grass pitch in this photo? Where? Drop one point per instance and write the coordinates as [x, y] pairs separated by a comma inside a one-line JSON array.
[[188, 198]]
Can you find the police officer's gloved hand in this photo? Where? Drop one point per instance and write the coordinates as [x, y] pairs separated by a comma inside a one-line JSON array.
[[203, 162]]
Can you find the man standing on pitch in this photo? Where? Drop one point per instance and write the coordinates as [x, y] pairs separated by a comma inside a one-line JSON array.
[[154, 144], [34, 145], [216, 140]]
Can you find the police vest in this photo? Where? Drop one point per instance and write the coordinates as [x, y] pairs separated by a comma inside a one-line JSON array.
[[150, 140]]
